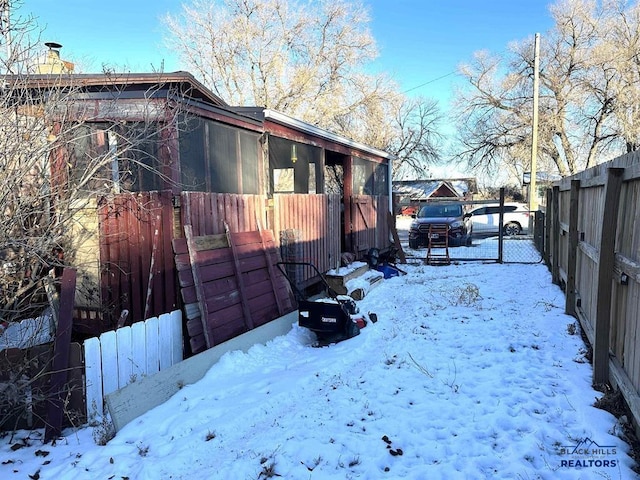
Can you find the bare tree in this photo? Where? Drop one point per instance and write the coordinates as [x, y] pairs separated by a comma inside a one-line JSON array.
[[586, 85], [416, 140], [18, 37], [620, 66], [307, 59], [298, 59], [58, 154]]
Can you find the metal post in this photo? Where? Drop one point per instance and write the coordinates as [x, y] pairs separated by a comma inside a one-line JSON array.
[[501, 227]]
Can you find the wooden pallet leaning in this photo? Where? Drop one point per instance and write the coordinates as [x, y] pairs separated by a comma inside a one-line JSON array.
[[438, 247], [229, 284]]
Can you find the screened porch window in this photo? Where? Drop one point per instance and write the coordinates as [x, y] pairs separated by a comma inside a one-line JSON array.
[[218, 158], [294, 166], [369, 178], [104, 156], [193, 165]]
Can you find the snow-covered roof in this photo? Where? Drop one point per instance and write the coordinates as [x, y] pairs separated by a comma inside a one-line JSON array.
[[425, 189]]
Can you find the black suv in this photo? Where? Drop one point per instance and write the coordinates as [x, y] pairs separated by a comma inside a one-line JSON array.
[[451, 214]]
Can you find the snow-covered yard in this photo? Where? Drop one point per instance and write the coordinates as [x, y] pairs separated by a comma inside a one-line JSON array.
[[472, 371]]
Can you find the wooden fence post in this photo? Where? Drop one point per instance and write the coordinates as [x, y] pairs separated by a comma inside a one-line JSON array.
[[606, 261], [60, 364], [570, 305], [555, 234], [547, 229]]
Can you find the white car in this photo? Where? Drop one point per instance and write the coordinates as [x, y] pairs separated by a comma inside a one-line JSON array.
[[485, 219]]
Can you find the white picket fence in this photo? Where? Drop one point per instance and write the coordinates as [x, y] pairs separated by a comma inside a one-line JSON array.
[[118, 358]]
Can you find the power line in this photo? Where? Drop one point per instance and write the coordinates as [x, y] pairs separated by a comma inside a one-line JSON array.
[[431, 81]]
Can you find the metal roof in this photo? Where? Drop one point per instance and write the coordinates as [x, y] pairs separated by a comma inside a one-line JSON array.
[[286, 120], [190, 86]]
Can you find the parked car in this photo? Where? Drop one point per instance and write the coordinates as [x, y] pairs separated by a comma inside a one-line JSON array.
[[486, 219], [409, 210], [451, 214]]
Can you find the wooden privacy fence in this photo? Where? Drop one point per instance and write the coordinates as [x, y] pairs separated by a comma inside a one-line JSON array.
[[137, 230], [136, 260], [369, 226], [211, 213], [593, 251], [118, 358]]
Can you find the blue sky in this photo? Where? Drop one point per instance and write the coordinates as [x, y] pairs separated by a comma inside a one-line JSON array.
[[421, 42]]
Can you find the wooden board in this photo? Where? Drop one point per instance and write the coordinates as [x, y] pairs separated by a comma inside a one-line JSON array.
[[339, 282], [60, 367], [361, 292], [396, 239], [229, 284]]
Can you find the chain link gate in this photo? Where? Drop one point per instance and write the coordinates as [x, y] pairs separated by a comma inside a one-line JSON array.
[[507, 237]]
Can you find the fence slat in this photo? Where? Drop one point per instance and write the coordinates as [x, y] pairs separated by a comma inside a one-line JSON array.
[[125, 356], [165, 340], [139, 350], [176, 336], [109, 361], [606, 263], [93, 379], [572, 257], [151, 336]]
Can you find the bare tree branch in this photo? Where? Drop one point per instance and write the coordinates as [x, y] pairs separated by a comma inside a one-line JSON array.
[[588, 93]]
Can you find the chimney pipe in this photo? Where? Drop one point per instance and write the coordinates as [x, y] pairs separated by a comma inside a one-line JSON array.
[[53, 64]]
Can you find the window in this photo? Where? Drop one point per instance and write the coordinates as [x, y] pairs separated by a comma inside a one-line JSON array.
[[223, 156], [294, 166], [480, 211], [440, 211], [193, 165], [380, 180], [88, 147], [496, 210], [283, 180], [138, 163], [123, 156], [249, 151], [362, 177], [369, 178], [218, 158]]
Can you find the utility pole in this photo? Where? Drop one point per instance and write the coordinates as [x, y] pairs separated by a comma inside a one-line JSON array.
[[533, 189]]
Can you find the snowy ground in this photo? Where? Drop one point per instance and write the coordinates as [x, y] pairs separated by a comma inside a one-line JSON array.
[[472, 371]]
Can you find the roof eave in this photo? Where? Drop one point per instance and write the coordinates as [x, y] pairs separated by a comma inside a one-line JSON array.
[[300, 125]]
